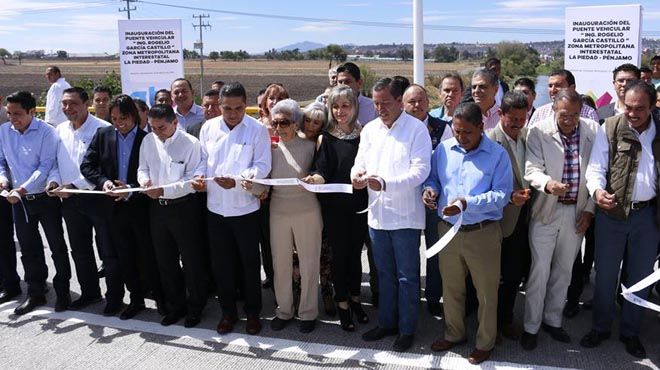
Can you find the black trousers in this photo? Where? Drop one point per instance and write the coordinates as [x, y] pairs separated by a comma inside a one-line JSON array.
[[133, 245], [84, 216], [345, 232], [177, 235], [234, 240], [46, 211], [9, 279], [515, 262]]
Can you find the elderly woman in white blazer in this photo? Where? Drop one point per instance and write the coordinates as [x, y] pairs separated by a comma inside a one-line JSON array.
[[558, 150]]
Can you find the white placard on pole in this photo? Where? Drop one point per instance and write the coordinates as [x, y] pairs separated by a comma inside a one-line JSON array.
[[597, 40], [150, 56]]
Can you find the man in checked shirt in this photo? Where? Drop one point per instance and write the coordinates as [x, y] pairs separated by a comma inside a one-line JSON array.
[[558, 150]]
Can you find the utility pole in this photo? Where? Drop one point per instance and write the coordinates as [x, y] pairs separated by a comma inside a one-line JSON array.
[[200, 45], [128, 8]]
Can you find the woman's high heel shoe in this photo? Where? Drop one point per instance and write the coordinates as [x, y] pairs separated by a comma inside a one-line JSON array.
[[360, 315], [345, 319]]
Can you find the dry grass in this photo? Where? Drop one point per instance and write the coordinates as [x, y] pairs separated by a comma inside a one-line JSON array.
[[304, 79]]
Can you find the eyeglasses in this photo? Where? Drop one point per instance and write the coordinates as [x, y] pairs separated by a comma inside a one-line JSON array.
[[281, 123]]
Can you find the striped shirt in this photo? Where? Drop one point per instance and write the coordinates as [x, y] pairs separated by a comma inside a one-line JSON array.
[[571, 173], [546, 111]]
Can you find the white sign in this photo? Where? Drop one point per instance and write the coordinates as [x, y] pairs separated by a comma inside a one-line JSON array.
[[150, 55], [597, 40]]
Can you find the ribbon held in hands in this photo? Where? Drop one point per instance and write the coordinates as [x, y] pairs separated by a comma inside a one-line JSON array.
[[449, 235]]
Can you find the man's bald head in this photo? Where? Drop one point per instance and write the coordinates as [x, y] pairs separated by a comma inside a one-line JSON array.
[[416, 101]]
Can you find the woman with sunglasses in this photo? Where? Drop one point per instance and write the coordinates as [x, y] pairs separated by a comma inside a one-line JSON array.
[[295, 219]]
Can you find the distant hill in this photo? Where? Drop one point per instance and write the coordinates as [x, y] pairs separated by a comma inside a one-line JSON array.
[[302, 46]]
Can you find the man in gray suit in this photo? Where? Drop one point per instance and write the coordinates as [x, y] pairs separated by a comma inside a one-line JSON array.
[[511, 133], [622, 75], [558, 149]]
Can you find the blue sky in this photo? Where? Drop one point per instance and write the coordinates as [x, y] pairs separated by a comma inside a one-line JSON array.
[[91, 26]]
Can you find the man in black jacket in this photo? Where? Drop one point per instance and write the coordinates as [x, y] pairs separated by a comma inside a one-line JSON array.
[[111, 164]]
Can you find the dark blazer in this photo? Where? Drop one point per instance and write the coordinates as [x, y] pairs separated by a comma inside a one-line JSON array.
[[467, 92], [195, 128], [438, 127], [100, 162]]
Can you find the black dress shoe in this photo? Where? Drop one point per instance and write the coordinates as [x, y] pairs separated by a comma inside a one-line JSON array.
[[528, 341], [172, 318], [307, 326], [558, 334], [112, 309], [62, 303], [403, 342], [278, 324], [378, 333], [593, 338], [131, 311], [84, 301], [192, 320], [9, 295], [571, 309], [633, 346], [434, 308], [29, 304]]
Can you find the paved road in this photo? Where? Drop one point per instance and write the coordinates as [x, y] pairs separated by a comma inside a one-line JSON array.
[[83, 340]]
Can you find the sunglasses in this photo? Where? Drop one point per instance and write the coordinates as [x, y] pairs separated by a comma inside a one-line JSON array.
[[281, 123]]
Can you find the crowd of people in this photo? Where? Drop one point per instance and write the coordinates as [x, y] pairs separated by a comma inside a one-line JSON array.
[[174, 199]]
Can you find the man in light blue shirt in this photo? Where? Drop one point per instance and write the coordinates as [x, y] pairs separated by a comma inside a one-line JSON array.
[[28, 151], [187, 112], [476, 172]]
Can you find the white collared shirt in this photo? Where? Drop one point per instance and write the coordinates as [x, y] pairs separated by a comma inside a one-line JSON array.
[[54, 114], [401, 156], [71, 151], [599, 164], [241, 152], [210, 132], [170, 163]]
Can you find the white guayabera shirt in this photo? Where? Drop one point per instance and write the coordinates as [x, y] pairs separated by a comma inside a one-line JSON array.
[[172, 162]]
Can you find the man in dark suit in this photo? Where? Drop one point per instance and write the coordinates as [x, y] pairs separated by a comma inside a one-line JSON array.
[[515, 256], [111, 164], [211, 106], [495, 65], [416, 103]]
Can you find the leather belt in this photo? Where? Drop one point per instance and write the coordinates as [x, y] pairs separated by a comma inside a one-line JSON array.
[[471, 227], [567, 201], [34, 196], [643, 204], [171, 202]]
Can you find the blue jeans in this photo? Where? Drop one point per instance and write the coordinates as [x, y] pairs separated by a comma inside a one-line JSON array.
[[433, 290], [641, 234], [396, 254]]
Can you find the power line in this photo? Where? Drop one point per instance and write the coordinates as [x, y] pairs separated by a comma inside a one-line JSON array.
[[533, 31], [128, 8], [201, 27]]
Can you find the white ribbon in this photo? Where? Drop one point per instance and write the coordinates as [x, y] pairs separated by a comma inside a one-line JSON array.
[[379, 196], [4, 193], [314, 188], [627, 293], [449, 235]]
